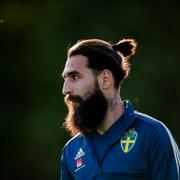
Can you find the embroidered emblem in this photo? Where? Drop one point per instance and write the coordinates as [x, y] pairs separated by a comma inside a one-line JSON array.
[[79, 160], [128, 140]]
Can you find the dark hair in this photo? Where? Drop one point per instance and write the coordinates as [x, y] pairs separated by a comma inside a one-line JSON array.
[[103, 55]]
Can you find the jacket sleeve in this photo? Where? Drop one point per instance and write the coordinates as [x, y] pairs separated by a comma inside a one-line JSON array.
[[65, 173], [165, 156]]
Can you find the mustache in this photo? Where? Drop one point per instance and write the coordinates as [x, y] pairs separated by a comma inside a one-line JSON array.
[[73, 99]]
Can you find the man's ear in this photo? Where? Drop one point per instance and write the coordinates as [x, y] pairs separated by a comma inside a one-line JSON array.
[[105, 79]]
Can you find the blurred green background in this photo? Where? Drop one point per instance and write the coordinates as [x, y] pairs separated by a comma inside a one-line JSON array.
[[34, 37]]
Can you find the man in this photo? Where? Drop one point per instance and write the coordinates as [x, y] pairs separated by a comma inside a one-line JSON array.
[[110, 139]]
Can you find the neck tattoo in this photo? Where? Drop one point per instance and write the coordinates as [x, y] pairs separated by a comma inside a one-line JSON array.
[[113, 102]]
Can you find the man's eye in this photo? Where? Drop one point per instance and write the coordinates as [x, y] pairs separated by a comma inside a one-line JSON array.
[[74, 77]]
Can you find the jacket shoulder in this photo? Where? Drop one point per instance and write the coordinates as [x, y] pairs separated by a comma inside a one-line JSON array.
[[151, 122], [75, 141], [157, 128]]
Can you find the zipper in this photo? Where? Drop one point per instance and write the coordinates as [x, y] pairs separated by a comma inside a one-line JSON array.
[[93, 151]]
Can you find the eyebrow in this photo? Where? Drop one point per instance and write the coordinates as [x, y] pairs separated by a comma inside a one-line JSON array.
[[68, 74]]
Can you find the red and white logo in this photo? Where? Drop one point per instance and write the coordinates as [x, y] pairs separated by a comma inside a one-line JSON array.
[[79, 162]]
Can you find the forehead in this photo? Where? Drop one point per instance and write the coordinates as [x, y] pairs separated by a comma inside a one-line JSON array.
[[76, 63]]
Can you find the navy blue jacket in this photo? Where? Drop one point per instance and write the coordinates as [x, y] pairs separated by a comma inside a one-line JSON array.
[[137, 146]]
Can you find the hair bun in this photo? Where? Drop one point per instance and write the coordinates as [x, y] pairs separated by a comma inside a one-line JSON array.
[[127, 47]]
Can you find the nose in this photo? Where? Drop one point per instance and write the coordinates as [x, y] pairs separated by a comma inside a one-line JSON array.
[[66, 88]]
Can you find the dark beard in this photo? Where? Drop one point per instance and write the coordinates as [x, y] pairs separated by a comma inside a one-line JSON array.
[[85, 115]]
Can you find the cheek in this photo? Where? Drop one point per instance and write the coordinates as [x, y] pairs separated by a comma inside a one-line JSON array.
[[86, 88]]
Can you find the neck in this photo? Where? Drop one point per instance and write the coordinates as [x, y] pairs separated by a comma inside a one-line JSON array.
[[115, 110]]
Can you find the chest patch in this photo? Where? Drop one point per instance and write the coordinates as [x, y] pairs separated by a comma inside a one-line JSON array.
[[128, 140]]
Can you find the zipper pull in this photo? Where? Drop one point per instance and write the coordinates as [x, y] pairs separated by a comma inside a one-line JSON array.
[[100, 172]]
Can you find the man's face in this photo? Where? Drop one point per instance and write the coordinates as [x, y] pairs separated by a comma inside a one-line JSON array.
[[85, 101], [78, 78]]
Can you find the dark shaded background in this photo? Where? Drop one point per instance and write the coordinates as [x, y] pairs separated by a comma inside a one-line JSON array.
[[34, 37]]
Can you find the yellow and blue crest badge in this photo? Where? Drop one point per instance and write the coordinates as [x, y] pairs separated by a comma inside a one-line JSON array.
[[128, 140]]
